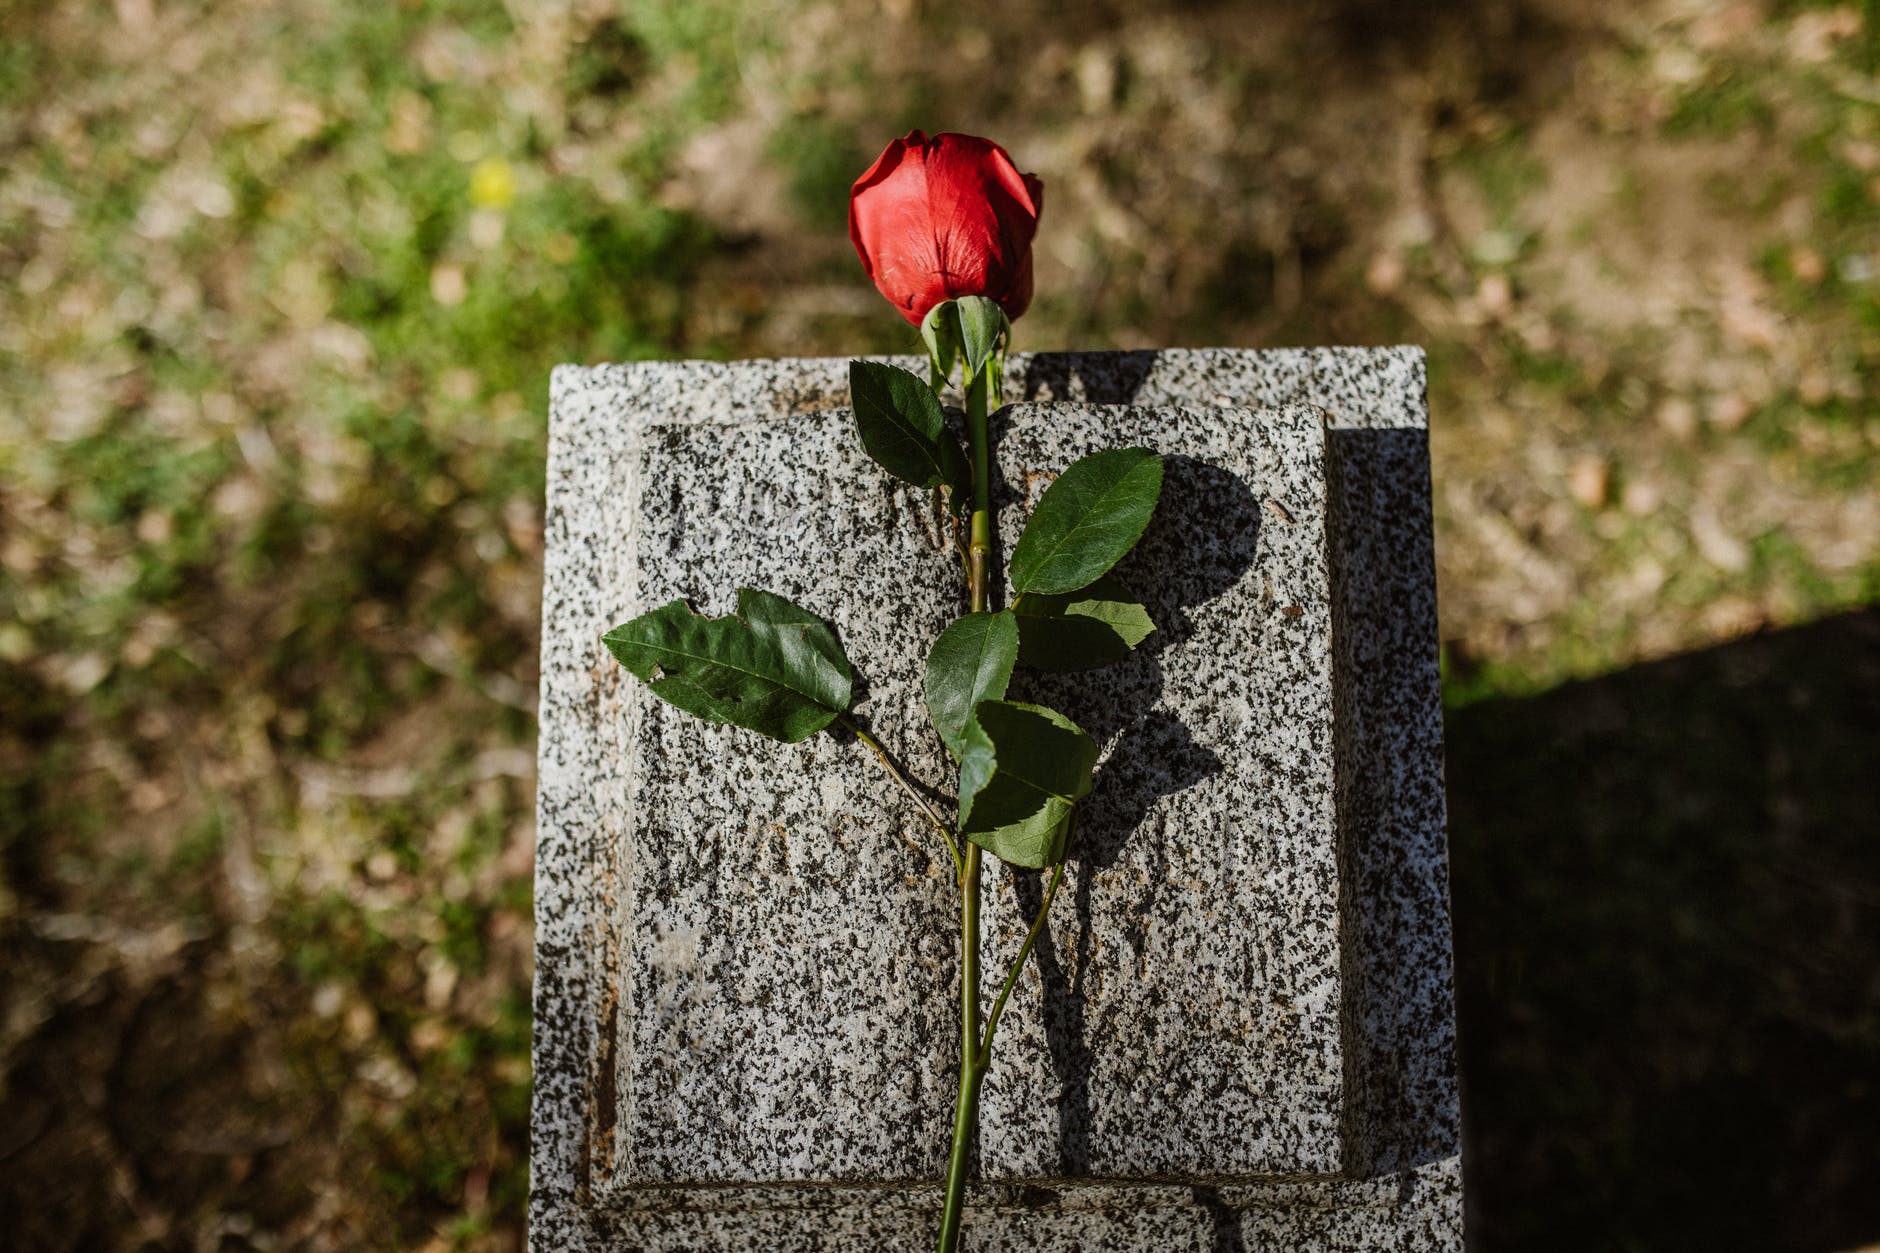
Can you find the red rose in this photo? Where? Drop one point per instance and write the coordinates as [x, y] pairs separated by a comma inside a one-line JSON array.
[[935, 219]]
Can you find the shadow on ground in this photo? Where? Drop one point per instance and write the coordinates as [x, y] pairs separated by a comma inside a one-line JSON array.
[[1667, 904]]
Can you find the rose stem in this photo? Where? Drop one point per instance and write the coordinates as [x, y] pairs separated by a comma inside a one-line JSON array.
[[894, 771], [972, 1061]]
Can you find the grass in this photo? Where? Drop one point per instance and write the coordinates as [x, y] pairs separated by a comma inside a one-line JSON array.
[[282, 288]]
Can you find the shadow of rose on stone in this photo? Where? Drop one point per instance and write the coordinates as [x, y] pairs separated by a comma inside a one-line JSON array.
[[1202, 541]]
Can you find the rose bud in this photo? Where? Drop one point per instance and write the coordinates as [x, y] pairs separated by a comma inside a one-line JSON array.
[[936, 219]]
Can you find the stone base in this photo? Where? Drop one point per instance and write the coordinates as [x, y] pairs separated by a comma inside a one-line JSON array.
[[1415, 1211]]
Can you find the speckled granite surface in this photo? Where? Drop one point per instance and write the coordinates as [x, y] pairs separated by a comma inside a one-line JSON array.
[[1258, 1005], [1183, 1017]]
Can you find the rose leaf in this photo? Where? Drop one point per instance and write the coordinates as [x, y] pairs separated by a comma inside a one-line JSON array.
[[970, 661], [904, 429], [1093, 626], [773, 667], [1024, 771], [1087, 521]]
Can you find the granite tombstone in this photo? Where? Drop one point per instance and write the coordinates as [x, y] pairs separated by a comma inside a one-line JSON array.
[[1238, 1030]]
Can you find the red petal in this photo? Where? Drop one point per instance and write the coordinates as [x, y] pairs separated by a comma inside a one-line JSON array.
[[1019, 298], [949, 216]]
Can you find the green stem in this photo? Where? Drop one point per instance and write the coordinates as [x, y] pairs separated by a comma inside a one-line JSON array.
[[972, 1068], [979, 544], [963, 1114], [894, 771]]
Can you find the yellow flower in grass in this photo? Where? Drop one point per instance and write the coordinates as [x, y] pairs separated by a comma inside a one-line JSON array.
[[492, 184]]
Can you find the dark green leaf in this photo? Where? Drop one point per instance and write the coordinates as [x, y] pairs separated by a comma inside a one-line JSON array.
[[978, 761], [904, 429], [1040, 767], [971, 661], [774, 668], [983, 325], [1081, 630], [1087, 521]]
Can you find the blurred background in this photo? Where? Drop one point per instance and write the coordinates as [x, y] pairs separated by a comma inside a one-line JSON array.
[[281, 282]]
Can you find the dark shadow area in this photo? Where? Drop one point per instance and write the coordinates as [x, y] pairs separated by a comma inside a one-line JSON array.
[[1101, 378], [1667, 909], [1501, 47], [1202, 540], [142, 1111], [1227, 1236], [1506, 40]]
